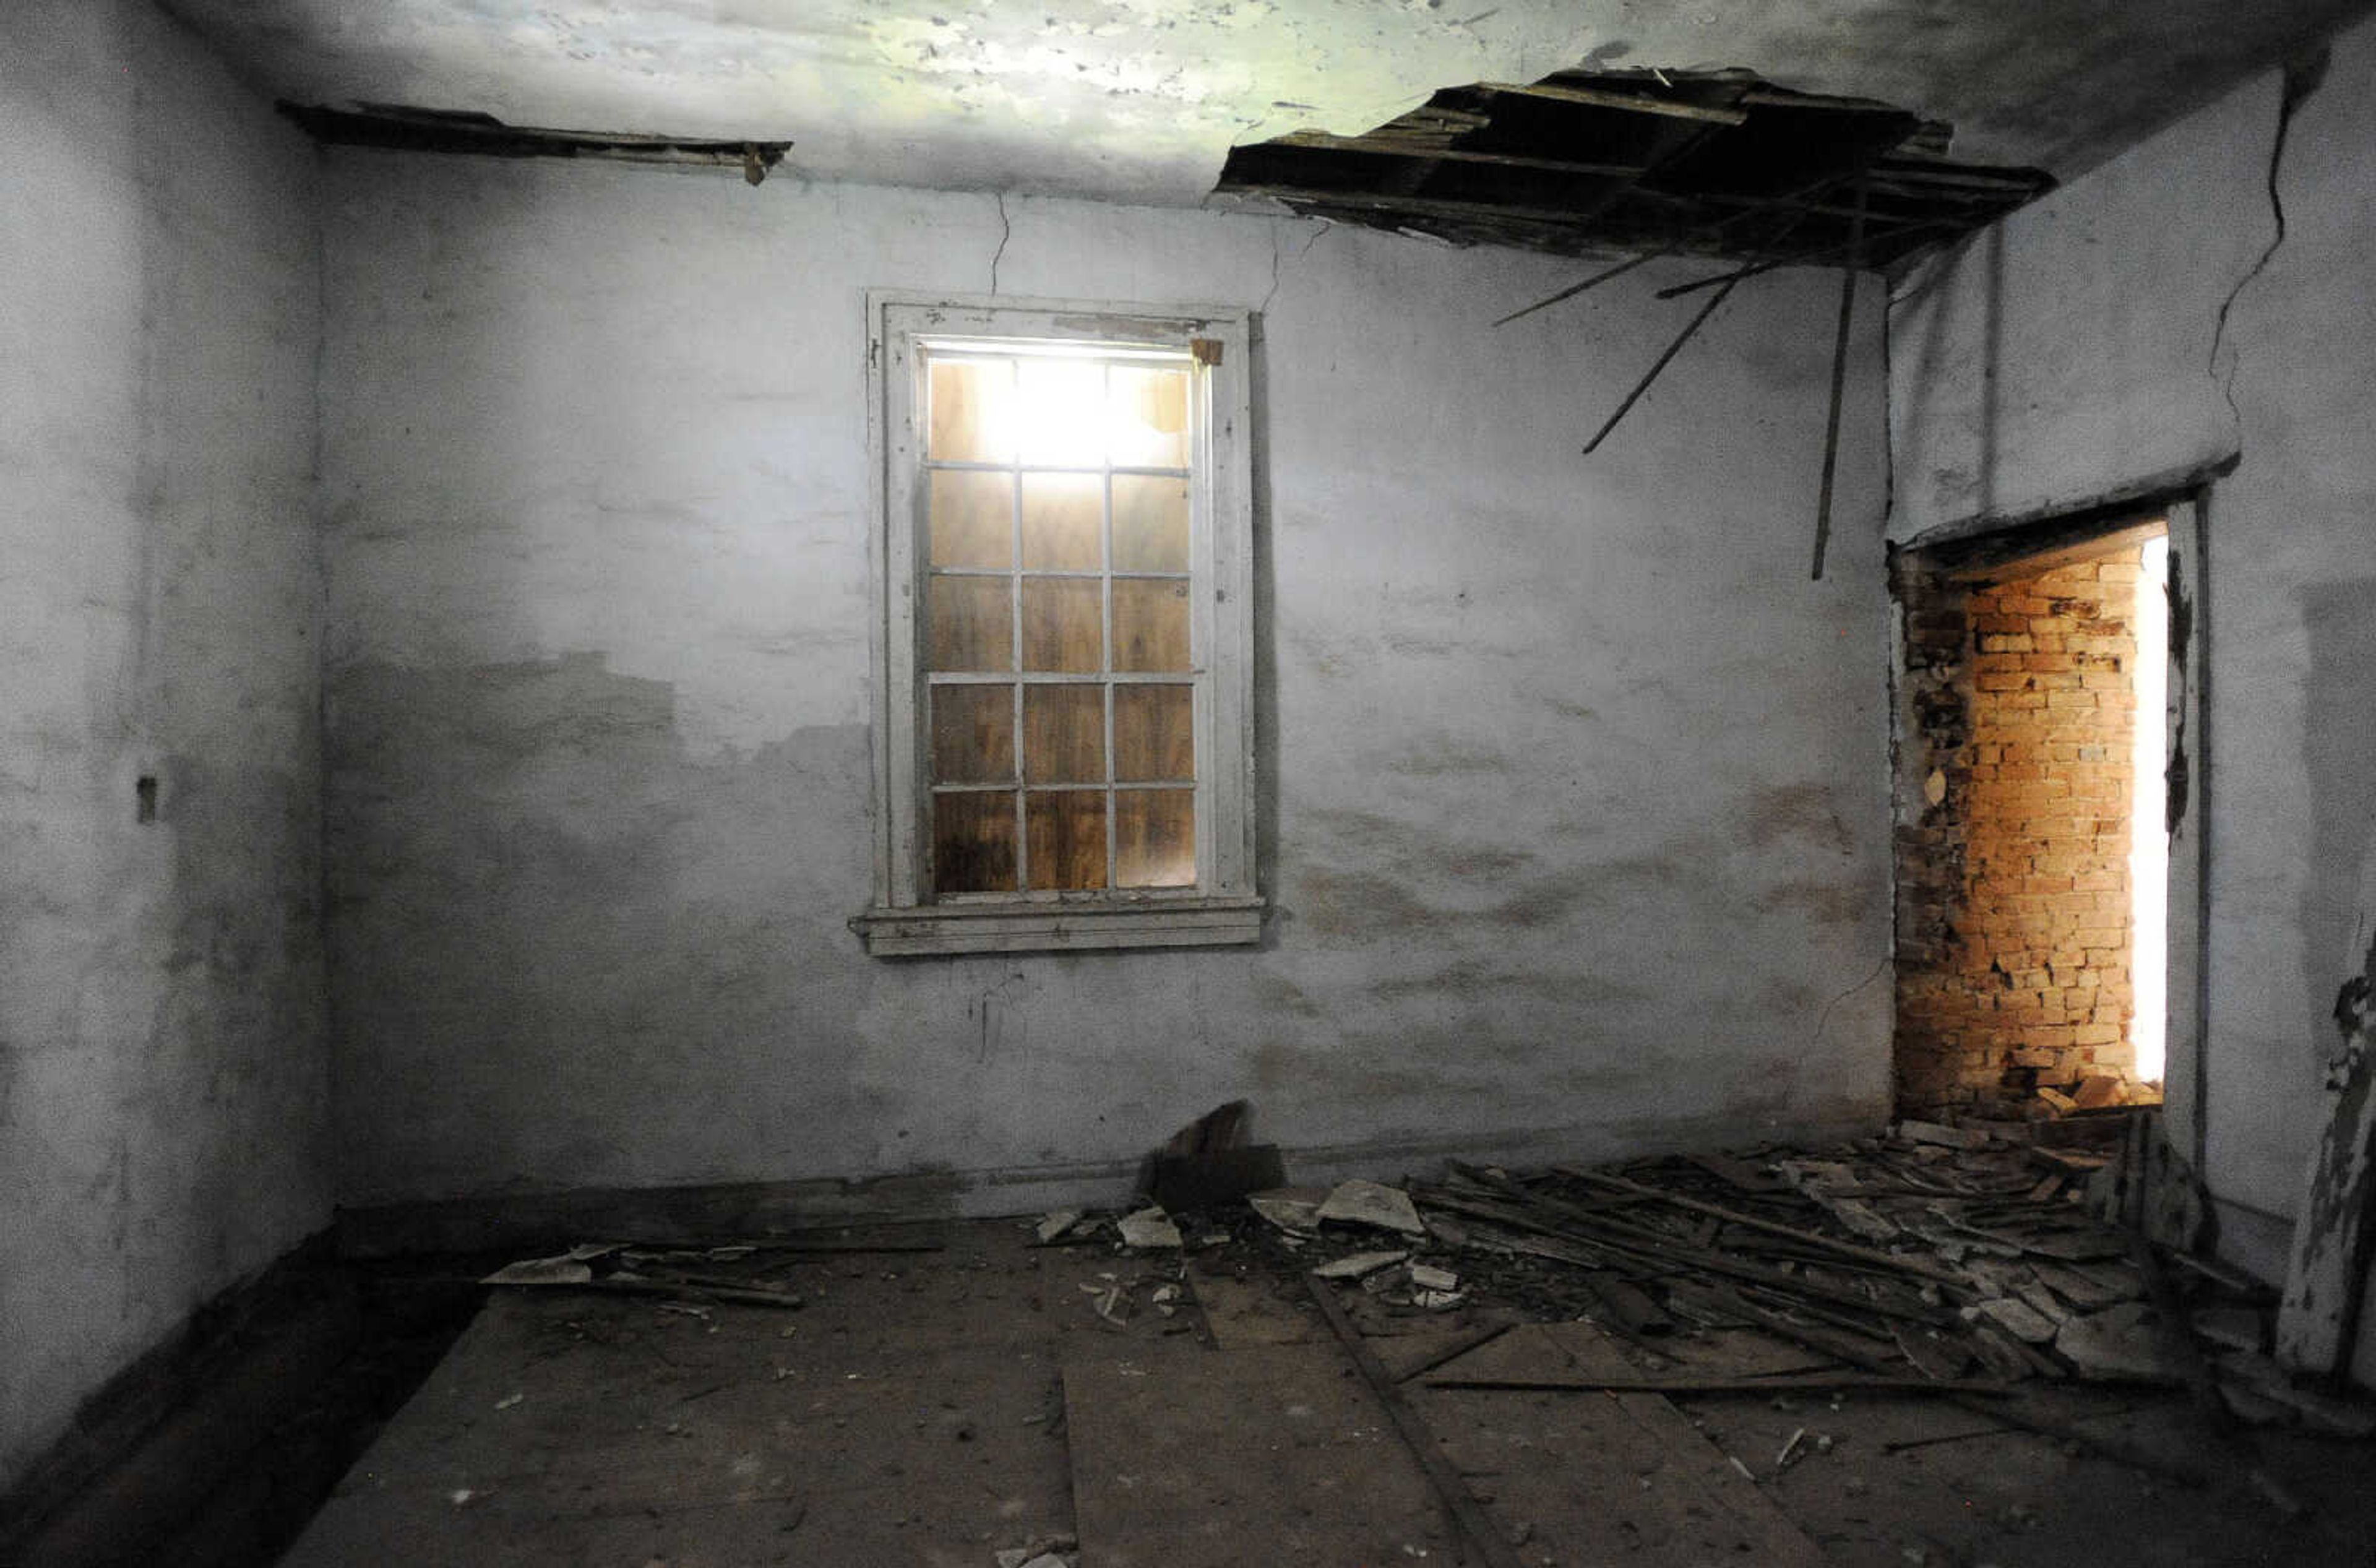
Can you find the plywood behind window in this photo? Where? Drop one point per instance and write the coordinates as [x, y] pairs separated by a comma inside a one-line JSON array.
[[970, 420], [1041, 536], [972, 518], [973, 841], [1155, 733], [1063, 522], [1148, 422], [1150, 522], [972, 624], [1064, 734], [973, 734], [1068, 838], [1064, 625], [1150, 624], [1155, 838]]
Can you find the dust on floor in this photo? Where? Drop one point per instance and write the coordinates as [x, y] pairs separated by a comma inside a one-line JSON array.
[[1000, 1400]]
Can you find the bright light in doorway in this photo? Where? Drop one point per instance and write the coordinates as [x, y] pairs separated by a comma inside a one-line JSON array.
[[2149, 834]]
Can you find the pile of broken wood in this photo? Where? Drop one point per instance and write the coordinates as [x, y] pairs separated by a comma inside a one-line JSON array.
[[1936, 1259], [694, 1273], [1932, 1259]]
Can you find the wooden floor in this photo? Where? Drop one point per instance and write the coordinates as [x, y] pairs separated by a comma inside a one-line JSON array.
[[936, 1408]]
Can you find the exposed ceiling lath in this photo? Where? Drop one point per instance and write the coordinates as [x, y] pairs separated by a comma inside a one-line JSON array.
[[1701, 163], [408, 129]]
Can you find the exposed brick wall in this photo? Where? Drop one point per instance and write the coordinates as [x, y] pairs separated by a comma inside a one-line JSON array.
[[2015, 773]]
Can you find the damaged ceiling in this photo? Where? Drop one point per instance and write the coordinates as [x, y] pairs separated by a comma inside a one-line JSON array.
[[1142, 99], [1715, 164]]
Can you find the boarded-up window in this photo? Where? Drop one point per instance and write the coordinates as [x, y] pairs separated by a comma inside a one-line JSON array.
[[1066, 544], [1059, 673]]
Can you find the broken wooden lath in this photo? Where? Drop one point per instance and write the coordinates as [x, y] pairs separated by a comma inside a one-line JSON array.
[[1705, 163], [407, 129]]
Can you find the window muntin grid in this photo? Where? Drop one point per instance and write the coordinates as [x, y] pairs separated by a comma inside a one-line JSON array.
[[1063, 691]]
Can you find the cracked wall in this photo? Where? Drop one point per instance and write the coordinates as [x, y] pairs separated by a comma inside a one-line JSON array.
[[2071, 354], [1573, 791]]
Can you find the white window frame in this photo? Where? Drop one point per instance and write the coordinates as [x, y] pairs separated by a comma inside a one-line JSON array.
[[1224, 906]]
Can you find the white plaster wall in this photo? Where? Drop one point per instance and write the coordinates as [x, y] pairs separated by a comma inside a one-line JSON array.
[[2072, 352], [1577, 785], [163, 1103]]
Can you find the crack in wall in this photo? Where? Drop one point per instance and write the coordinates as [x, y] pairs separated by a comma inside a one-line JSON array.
[[1325, 224], [1824, 1020], [2304, 76], [1005, 232]]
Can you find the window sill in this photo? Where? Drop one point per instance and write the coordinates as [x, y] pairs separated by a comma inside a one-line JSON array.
[[1040, 928]]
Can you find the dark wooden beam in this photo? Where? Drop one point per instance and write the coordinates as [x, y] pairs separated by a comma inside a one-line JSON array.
[[1854, 264], [1636, 103], [1387, 147], [1426, 206]]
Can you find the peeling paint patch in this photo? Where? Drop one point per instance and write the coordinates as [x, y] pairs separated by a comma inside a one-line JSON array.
[[1796, 810], [1547, 901], [1834, 903], [1363, 903], [1473, 978], [1441, 757]]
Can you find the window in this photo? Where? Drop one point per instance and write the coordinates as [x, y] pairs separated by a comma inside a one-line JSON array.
[[1065, 730]]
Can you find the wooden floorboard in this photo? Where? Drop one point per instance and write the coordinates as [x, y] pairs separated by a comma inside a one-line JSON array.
[[937, 1410], [564, 1432], [1591, 1476], [1201, 1458]]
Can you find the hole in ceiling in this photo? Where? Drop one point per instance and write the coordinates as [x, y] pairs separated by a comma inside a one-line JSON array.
[[1715, 163]]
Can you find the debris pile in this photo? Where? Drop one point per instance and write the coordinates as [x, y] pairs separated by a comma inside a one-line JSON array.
[[747, 1272], [678, 1274], [1355, 1216], [1934, 1256], [1047, 1551]]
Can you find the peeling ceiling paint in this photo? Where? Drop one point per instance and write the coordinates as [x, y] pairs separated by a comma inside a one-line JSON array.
[[1141, 99]]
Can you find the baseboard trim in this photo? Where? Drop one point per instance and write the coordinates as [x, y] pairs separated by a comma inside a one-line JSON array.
[[524, 1222], [116, 1420]]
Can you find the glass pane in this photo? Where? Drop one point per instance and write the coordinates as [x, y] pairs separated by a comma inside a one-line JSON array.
[[1147, 423], [1068, 838], [973, 734], [972, 519], [1150, 626], [1065, 734], [1151, 523], [972, 411], [1064, 625], [1155, 838], [1154, 732], [1063, 522], [973, 842], [972, 623], [1059, 410]]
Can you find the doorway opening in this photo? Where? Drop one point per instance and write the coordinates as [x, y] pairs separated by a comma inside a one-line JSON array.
[[2032, 849]]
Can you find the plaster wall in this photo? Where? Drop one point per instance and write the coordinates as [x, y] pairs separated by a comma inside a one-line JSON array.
[[163, 1103], [1575, 786], [2079, 349]]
